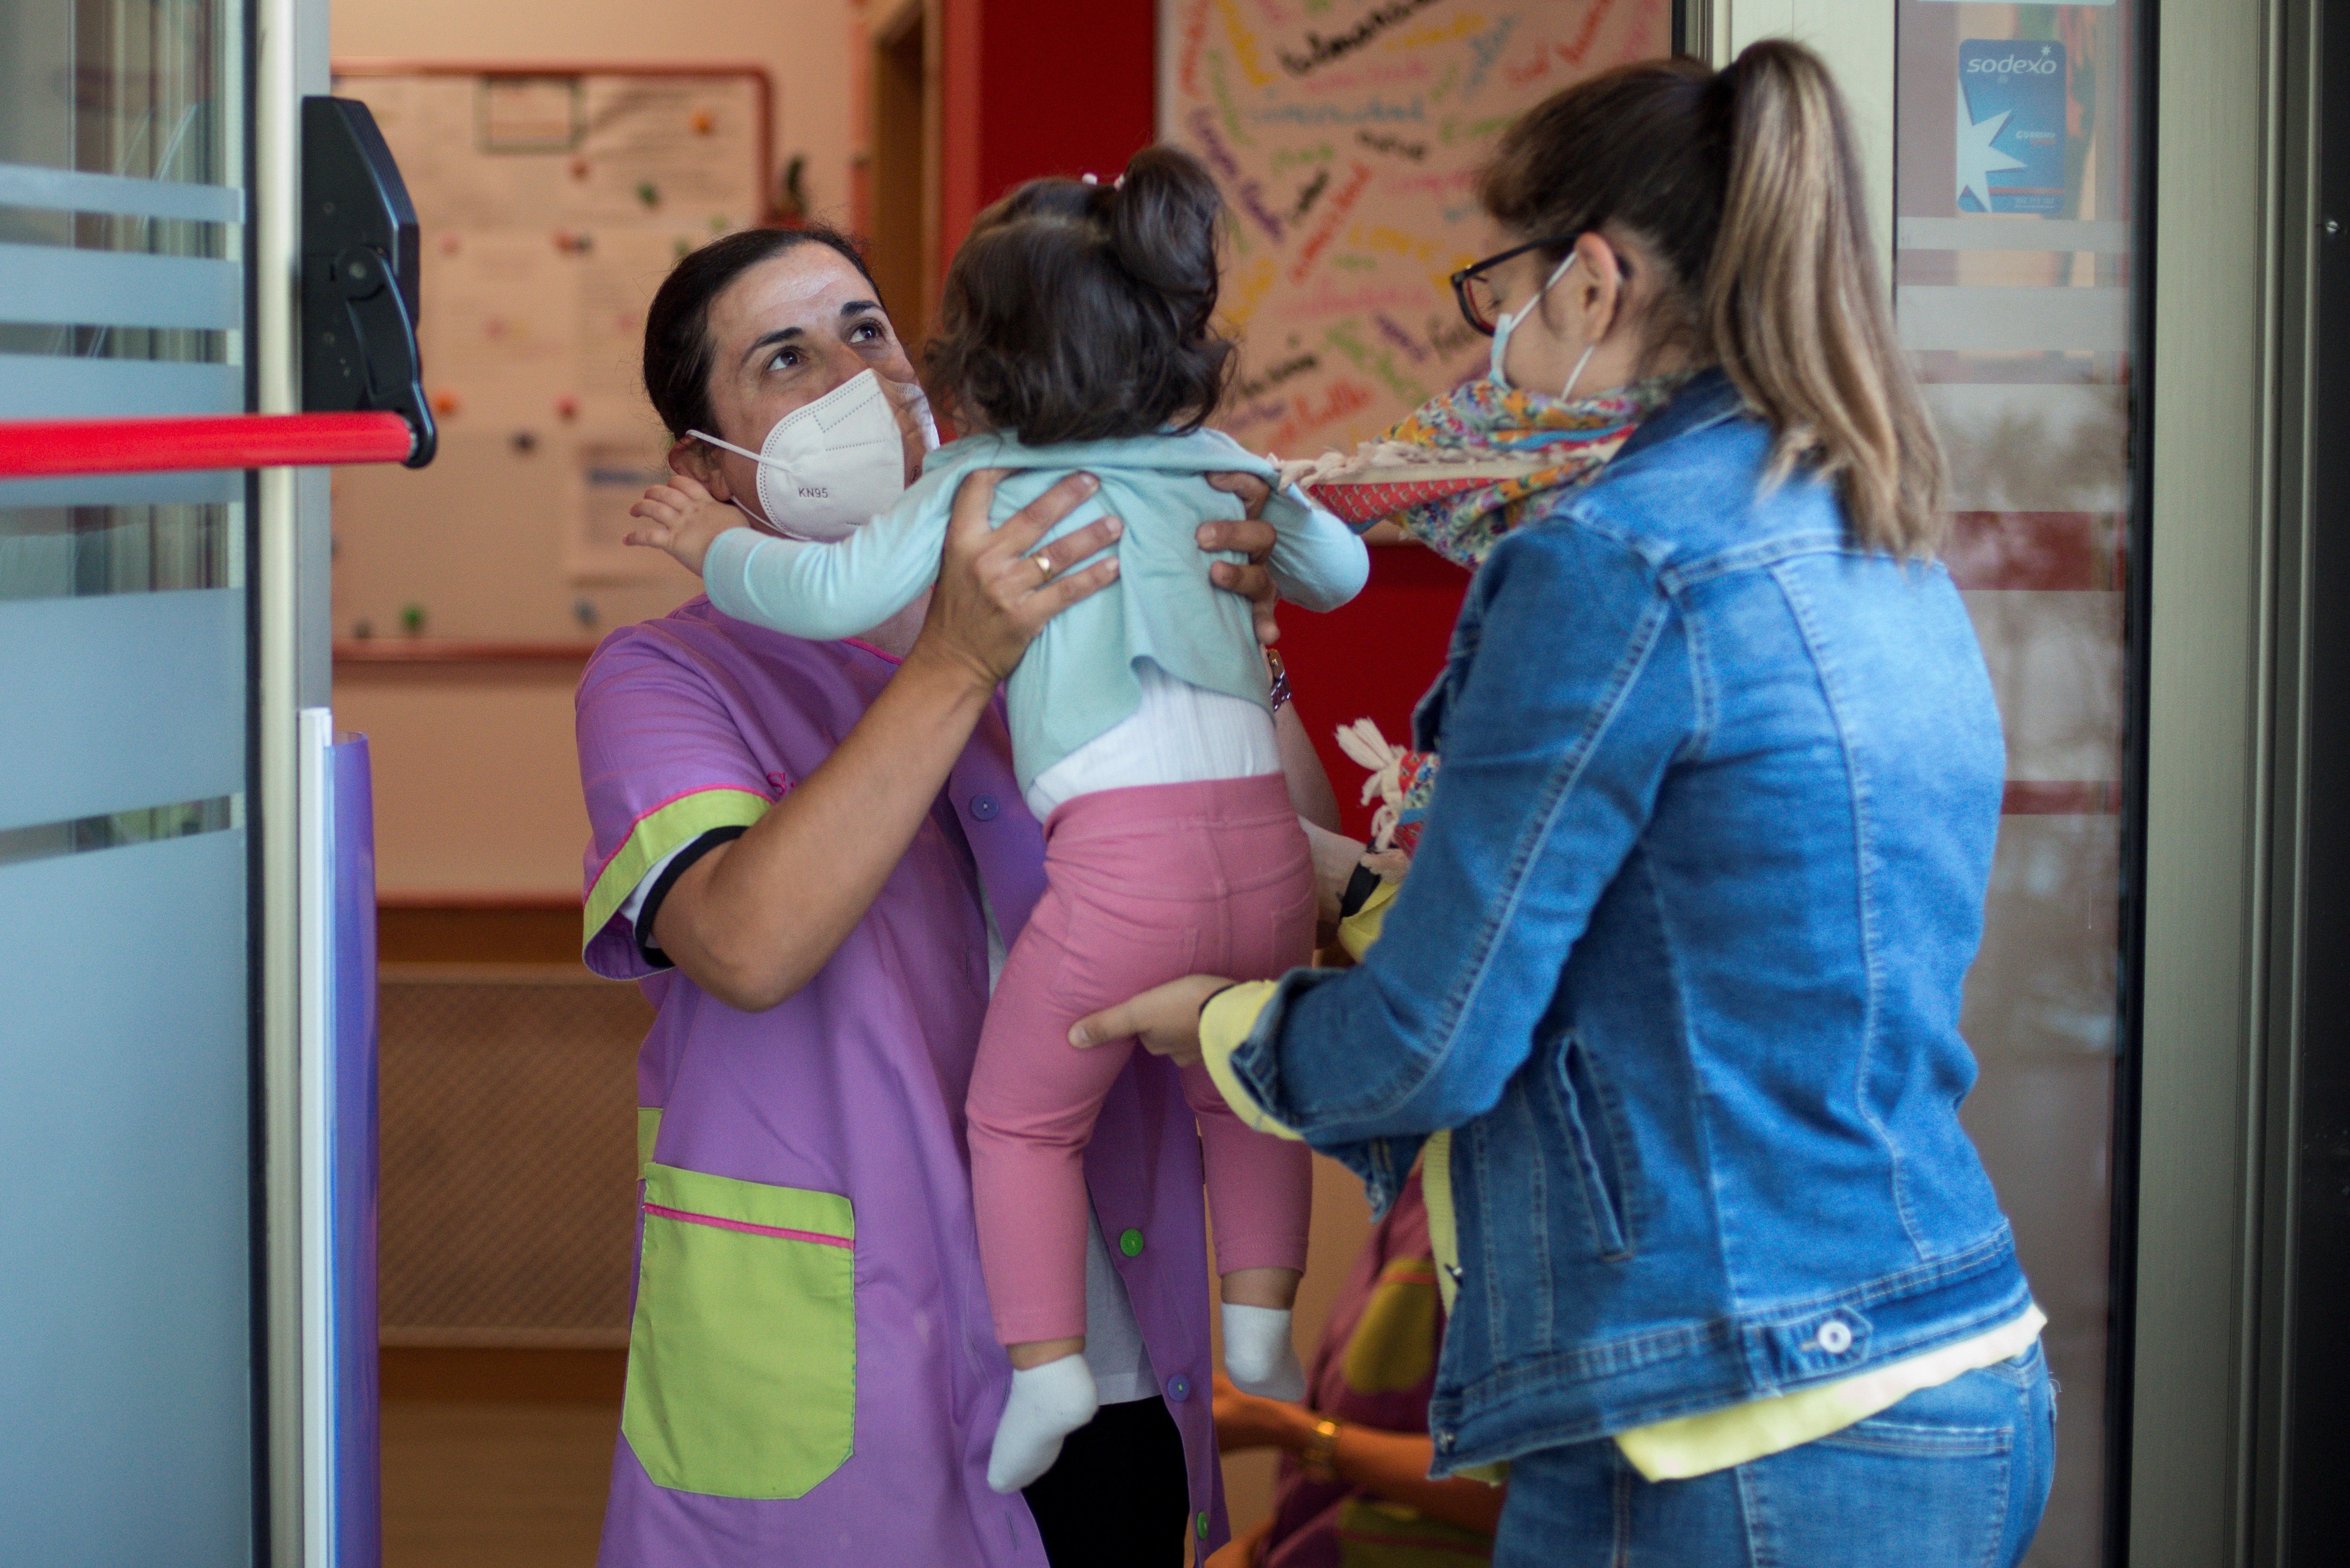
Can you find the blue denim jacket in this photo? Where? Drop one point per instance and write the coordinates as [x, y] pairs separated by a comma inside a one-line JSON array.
[[1680, 956]]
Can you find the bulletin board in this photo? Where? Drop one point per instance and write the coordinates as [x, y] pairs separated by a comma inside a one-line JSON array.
[[1347, 136], [552, 201]]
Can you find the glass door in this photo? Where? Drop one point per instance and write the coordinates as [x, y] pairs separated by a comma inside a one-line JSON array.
[[2016, 162], [126, 1133]]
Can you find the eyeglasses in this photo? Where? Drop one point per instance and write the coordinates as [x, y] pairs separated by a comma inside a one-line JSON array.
[[1480, 307]]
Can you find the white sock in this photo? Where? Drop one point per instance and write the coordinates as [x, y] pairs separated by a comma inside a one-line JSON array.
[[1047, 1404], [1258, 1354]]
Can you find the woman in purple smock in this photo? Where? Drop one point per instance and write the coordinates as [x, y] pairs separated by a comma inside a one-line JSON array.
[[812, 855]]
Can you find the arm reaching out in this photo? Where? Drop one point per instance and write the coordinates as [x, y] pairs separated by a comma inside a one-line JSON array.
[[1318, 561], [1392, 1465], [683, 519], [833, 591]]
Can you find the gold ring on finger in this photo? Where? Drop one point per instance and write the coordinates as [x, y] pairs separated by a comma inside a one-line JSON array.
[[1044, 563]]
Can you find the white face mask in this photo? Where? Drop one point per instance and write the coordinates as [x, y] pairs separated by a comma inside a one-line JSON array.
[[1507, 322], [828, 467]]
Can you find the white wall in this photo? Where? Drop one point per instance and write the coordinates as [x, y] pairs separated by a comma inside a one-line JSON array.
[[804, 45], [477, 778], [1855, 38], [476, 788]]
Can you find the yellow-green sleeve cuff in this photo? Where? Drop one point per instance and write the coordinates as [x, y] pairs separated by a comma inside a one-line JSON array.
[[671, 826], [1227, 1021], [1359, 930]]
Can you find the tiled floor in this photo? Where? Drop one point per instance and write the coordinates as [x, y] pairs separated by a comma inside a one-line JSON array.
[[474, 1485]]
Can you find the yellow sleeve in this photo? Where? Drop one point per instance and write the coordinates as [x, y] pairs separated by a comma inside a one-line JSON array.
[[1228, 1019], [1359, 930]]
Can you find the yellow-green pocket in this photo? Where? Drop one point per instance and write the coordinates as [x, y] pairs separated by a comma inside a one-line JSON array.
[[743, 1357]]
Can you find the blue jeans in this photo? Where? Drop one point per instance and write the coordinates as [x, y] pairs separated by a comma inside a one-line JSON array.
[[1953, 1477]]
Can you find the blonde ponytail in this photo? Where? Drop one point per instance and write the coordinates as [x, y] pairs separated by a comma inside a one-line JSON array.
[[1795, 308], [1744, 184]]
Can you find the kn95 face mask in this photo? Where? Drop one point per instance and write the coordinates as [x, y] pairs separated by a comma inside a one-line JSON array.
[[828, 467]]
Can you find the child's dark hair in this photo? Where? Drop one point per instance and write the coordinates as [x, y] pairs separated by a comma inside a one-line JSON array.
[[677, 325], [1080, 311]]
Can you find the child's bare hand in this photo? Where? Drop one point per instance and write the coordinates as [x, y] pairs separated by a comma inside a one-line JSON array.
[[682, 518]]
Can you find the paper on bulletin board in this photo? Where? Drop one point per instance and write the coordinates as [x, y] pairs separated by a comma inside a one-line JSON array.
[[1347, 135], [552, 205], [613, 474]]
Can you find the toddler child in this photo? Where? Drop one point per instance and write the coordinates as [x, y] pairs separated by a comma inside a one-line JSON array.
[[1075, 337]]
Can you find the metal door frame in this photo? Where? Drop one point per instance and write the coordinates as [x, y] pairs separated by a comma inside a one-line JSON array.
[[2212, 933], [2304, 913], [309, 1103], [293, 671], [2229, 465]]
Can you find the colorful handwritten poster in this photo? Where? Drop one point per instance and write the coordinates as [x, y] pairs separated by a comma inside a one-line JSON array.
[[1347, 135]]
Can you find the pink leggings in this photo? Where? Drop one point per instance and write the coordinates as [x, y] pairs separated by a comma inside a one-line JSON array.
[[1143, 886]]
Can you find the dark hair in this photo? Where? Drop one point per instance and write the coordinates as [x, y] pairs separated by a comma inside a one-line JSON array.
[[677, 326], [1080, 311], [1746, 184]]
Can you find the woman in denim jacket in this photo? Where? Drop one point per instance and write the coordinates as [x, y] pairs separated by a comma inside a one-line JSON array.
[[1679, 958]]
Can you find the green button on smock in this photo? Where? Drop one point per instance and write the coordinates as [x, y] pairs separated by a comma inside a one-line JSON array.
[[1130, 1244]]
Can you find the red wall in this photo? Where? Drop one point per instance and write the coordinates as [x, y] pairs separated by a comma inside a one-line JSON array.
[[1372, 659], [1068, 86], [1075, 83], [1042, 87]]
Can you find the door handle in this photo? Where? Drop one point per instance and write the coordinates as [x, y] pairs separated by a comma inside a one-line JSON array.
[[359, 274]]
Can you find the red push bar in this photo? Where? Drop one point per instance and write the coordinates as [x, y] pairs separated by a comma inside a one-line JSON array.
[[38, 447]]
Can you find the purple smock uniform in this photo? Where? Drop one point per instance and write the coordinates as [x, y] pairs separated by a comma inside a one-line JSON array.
[[812, 1377]]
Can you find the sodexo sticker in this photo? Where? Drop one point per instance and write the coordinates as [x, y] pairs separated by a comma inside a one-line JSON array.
[[2011, 125]]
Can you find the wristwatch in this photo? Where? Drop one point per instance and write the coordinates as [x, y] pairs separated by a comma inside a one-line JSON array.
[[1319, 1457]]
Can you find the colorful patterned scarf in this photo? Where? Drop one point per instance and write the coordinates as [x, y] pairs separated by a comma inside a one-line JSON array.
[[1469, 465]]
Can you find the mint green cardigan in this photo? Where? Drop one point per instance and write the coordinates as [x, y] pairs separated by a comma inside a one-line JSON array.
[[1077, 678]]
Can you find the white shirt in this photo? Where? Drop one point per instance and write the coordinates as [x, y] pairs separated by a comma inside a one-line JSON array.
[[1180, 733]]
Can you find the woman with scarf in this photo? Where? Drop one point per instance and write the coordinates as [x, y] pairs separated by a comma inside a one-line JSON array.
[[1668, 1008]]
